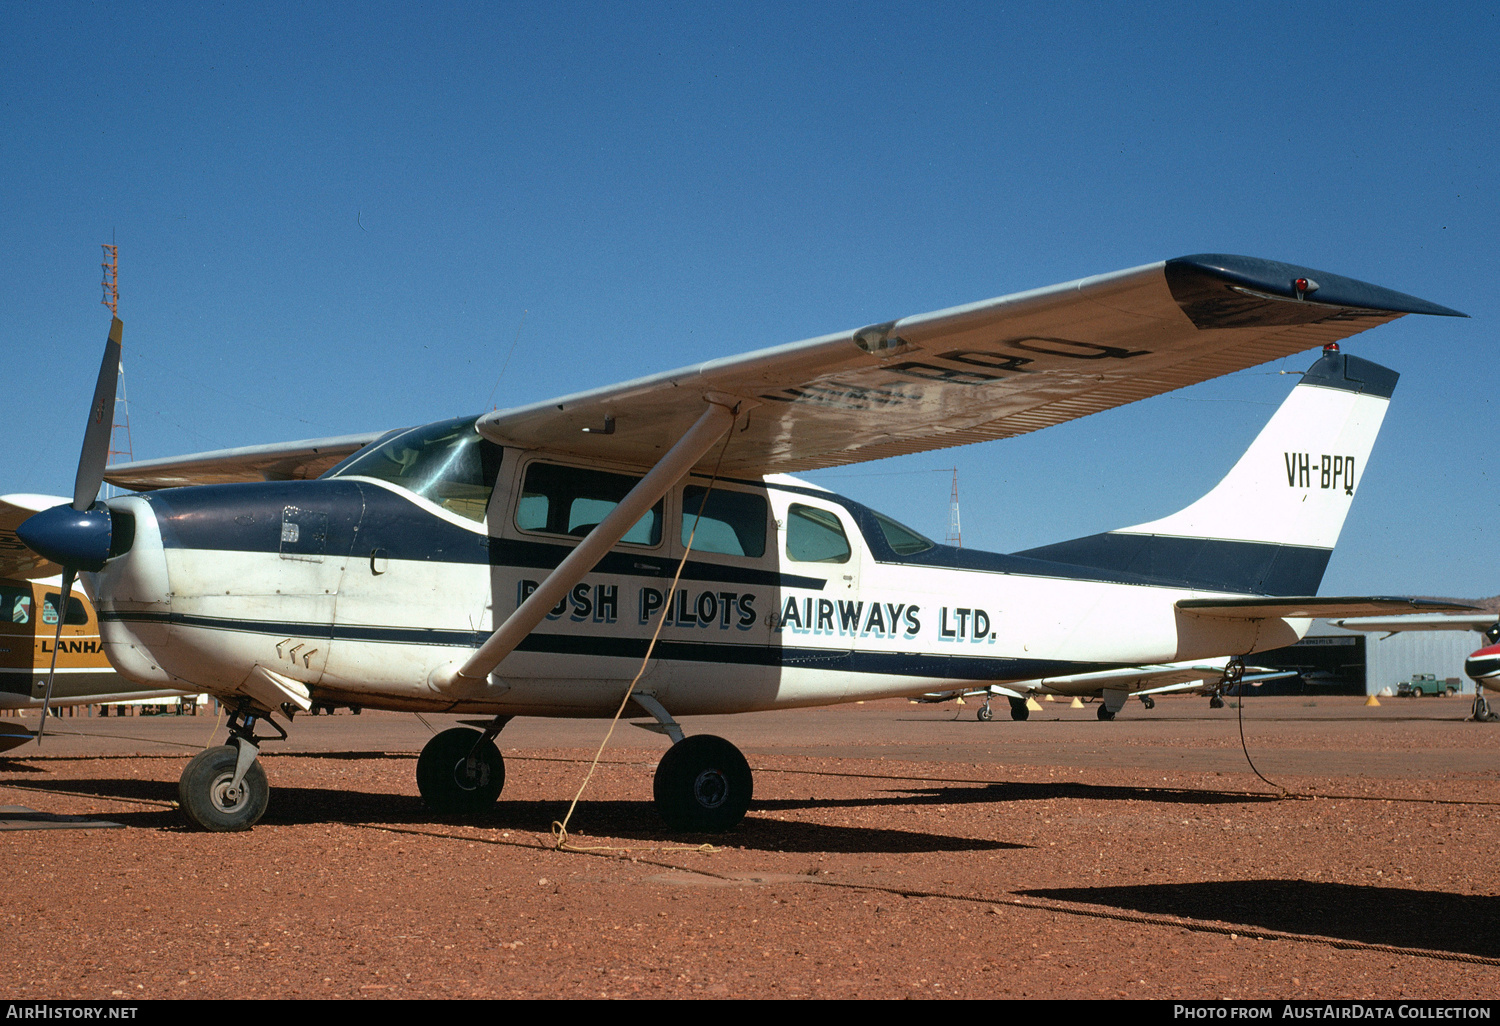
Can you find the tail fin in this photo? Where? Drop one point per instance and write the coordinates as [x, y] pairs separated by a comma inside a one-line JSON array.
[[1270, 526]]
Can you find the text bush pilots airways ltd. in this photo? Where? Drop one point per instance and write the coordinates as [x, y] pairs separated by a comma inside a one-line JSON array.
[[519, 563]]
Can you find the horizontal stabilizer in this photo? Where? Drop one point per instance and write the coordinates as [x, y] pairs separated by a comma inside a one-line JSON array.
[[1312, 607], [1480, 621]]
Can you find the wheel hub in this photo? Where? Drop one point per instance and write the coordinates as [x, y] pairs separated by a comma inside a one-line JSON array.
[[225, 796], [711, 789], [471, 774]]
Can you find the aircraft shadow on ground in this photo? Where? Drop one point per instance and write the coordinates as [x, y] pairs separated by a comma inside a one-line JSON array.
[[291, 806], [1021, 792], [1459, 923]]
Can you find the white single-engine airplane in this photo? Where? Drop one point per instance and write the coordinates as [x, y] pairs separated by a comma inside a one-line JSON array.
[[519, 563]]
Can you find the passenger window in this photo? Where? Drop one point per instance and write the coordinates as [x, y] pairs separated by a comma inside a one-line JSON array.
[[76, 614], [17, 605], [733, 523], [571, 501], [815, 536]]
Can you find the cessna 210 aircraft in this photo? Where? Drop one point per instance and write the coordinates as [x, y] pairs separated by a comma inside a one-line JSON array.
[[520, 563]]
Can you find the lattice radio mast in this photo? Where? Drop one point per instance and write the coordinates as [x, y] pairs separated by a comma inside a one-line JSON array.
[[955, 533], [120, 434]]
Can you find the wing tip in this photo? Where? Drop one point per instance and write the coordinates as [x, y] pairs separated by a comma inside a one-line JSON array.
[[1211, 286]]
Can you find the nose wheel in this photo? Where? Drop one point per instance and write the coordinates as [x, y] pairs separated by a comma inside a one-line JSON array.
[[215, 797], [703, 784]]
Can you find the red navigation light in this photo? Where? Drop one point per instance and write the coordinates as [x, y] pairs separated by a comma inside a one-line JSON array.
[[1331, 347]]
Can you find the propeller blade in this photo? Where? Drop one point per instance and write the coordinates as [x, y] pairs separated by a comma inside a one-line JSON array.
[[95, 452], [62, 617]]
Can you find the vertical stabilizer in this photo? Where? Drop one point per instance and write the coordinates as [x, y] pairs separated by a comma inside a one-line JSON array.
[[1270, 526]]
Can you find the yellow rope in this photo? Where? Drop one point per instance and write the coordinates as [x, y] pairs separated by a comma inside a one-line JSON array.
[[560, 829]]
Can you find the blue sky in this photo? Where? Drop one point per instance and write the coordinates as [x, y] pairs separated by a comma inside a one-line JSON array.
[[342, 217]]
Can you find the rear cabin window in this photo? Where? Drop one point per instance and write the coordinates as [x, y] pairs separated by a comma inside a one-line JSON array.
[[446, 463], [815, 536], [572, 501], [733, 523]]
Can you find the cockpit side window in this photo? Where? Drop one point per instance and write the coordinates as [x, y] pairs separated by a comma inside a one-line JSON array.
[[447, 463], [733, 523], [815, 536], [572, 501]]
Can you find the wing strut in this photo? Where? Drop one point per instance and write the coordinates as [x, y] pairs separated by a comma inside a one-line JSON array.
[[692, 447]]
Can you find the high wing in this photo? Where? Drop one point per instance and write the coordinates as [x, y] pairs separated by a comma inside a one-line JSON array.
[[17, 562], [987, 370], [971, 373], [283, 461]]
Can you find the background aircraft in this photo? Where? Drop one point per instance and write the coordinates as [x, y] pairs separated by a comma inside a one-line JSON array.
[[1210, 677], [532, 561], [1482, 666], [28, 628]]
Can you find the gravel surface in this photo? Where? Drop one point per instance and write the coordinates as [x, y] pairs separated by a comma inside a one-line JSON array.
[[893, 850]]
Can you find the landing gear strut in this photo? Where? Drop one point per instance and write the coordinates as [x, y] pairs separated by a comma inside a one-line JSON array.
[[460, 771], [1482, 713], [224, 788]]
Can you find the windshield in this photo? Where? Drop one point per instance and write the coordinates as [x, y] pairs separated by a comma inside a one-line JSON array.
[[447, 463]]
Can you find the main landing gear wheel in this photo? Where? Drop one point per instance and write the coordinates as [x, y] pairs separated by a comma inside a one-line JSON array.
[[1148, 701], [208, 799], [1216, 702], [703, 784], [1018, 710], [985, 714], [454, 776], [1105, 714]]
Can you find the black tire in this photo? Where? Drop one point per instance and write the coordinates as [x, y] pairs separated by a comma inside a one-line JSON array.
[[204, 797], [1148, 701], [1105, 714], [1449, 692], [1216, 702], [450, 783], [985, 714], [703, 784], [1018, 710]]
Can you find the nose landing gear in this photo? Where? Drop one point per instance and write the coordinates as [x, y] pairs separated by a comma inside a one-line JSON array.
[[224, 788]]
